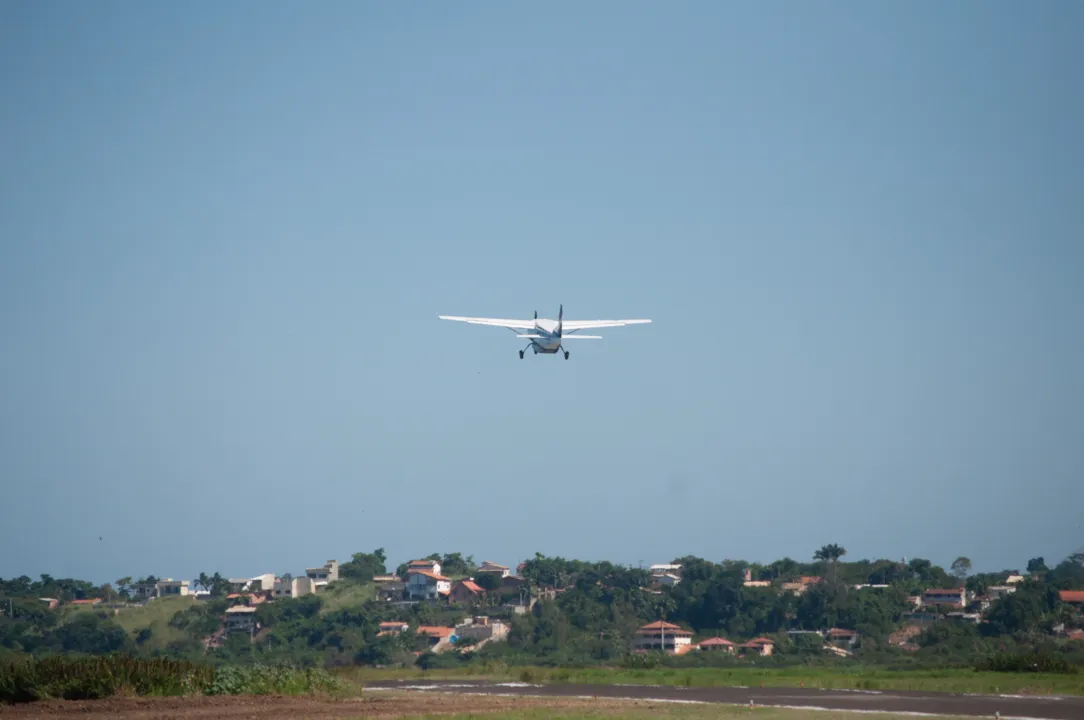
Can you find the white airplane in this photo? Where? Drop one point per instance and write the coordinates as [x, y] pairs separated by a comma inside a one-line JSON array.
[[546, 335]]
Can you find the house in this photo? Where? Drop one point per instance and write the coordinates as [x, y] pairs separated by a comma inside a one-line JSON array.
[[292, 587], [664, 636], [380, 579], [716, 644], [1014, 579], [425, 585], [999, 591], [666, 579], [143, 591], [842, 638], [86, 603], [668, 574], [465, 592], [758, 646], [391, 591], [1072, 597], [491, 567], [439, 637], [392, 627], [749, 582], [428, 565], [241, 618], [802, 584], [50, 603], [171, 588], [482, 628], [327, 573], [954, 598]]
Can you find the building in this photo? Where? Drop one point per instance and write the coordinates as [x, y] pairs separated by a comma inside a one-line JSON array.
[[668, 574], [425, 585], [955, 598], [716, 644], [427, 565], [292, 587], [466, 592], [999, 591], [172, 588], [439, 637], [758, 646], [327, 573], [481, 628], [1072, 597], [491, 567], [664, 636], [391, 591], [379, 579], [842, 638], [241, 618], [392, 627]]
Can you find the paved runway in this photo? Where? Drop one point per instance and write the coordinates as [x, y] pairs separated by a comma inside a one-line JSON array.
[[1009, 706]]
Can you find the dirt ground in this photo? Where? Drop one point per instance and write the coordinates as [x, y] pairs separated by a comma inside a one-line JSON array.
[[375, 705]]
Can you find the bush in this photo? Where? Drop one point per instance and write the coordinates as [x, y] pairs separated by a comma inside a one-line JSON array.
[[89, 678], [1023, 662]]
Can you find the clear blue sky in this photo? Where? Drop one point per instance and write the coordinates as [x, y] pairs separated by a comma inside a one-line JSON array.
[[227, 230]]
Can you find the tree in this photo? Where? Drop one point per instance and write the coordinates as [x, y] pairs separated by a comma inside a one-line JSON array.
[[1037, 566], [830, 554], [961, 567], [362, 567]]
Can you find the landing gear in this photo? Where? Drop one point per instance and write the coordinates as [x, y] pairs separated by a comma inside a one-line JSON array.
[[566, 354], [520, 354]]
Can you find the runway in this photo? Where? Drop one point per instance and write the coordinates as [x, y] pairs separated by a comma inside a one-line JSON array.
[[1008, 706]]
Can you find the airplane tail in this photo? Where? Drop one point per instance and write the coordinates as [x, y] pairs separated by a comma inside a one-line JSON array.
[[560, 318]]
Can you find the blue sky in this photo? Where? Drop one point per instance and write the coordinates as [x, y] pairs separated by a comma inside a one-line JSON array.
[[227, 230]]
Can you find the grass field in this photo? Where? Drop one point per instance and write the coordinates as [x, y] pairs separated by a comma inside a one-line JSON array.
[[340, 596], [156, 616], [953, 681]]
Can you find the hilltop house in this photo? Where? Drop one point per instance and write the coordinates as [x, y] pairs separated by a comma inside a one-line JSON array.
[[426, 585]]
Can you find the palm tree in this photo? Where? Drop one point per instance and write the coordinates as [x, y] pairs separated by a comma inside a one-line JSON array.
[[830, 554]]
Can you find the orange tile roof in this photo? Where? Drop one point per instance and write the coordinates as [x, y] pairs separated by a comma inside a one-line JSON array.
[[473, 587], [711, 642], [92, 601], [435, 631], [427, 574], [1072, 596], [659, 625]]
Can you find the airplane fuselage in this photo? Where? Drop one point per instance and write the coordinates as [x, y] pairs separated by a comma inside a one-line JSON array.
[[550, 341]]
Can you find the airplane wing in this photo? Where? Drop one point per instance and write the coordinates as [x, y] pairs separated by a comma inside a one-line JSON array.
[[574, 325], [494, 322]]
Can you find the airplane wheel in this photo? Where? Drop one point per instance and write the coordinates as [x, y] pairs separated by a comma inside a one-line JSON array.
[[520, 354], [566, 354]]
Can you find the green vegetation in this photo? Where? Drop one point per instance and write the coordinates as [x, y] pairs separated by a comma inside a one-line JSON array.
[[100, 677]]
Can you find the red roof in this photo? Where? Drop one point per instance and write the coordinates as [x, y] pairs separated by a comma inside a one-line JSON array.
[[659, 625], [1076, 635], [93, 601], [712, 642], [1072, 596], [473, 587], [427, 574]]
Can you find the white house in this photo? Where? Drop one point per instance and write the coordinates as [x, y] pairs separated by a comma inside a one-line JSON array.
[[241, 618], [663, 636], [428, 565], [425, 585]]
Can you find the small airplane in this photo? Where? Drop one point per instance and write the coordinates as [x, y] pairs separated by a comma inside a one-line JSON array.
[[547, 336]]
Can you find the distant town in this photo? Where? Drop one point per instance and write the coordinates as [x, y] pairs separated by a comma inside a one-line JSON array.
[[448, 603]]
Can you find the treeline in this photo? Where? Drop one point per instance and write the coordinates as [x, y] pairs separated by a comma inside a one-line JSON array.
[[586, 613]]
